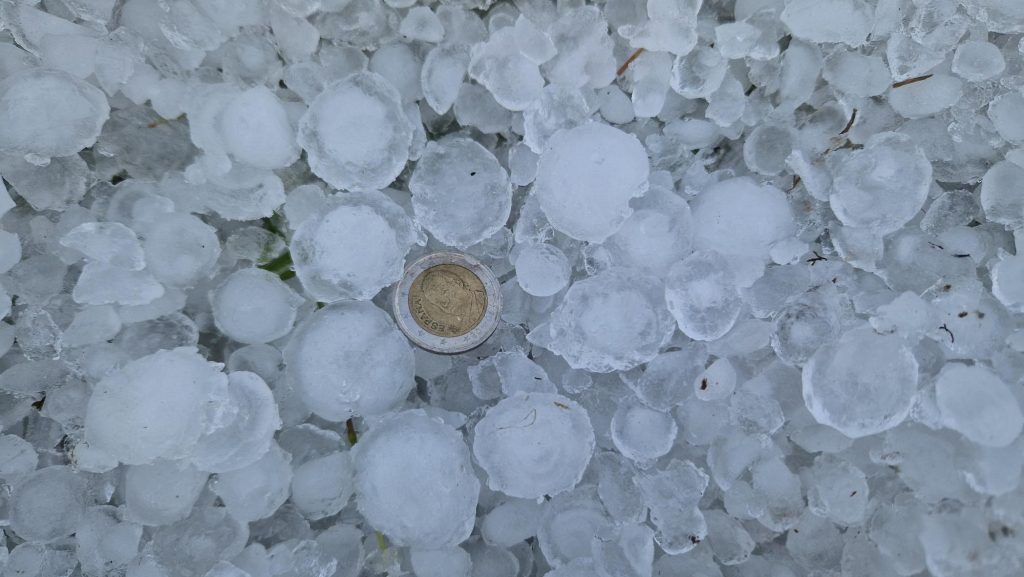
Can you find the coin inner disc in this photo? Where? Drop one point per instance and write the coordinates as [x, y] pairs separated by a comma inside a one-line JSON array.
[[447, 300]]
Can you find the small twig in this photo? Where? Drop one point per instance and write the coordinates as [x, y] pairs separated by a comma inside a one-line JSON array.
[[796, 183], [350, 432], [952, 339], [849, 125], [912, 80], [817, 258], [625, 65]]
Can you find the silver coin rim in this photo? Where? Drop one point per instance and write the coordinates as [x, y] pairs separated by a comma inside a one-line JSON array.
[[445, 345]]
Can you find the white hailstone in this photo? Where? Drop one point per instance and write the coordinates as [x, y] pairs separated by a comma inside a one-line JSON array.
[[612, 321], [1000, 196], [444, 69], [587, 177], [47, 504], [862, 384], [17, 457], [512, 79], [835, 21], [352, 247], [163, 492], [243, 428], [534, 444], [882, 186], [658, 234], [350, 359], [410, 446], [110, 243], [740, 217], [839, 491], [160, 401], [1006, 112], [975, 402], [104, 542], [356, 134], [47, 113], [1008, 280], [255, 491], [641, 433], [254, 306], [180, 249], [321, 487], [420, 23], [101, 284], [702, 295], [541, 269], [460, 193], [977, 60]]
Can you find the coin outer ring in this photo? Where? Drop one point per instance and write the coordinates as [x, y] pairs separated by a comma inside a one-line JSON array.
[[447, 345]]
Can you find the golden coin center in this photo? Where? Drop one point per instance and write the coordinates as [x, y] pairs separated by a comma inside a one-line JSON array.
[[447, 300]]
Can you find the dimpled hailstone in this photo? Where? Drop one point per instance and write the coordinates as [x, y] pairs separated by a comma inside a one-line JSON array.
[[975, 402], [160, 404], [459, 192], [738, 216], [254, 306], [355, 133], [862, 384], [586, 178], [415, 481], [882, 186], [47, 113], [349, 359], [612, 321], [534, 444], [353, 247]]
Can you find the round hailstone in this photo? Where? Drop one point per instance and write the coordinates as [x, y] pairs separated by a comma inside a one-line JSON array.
[[153, 407], [47, 504], [255, 491], [535, 444], [1000, 194], [586, 178], [738, 216], [862, 384], [542, 269], [350, 359], [410, 447], [255, 130], [845, 21], [882, 186], [356, 134], [976, 403], [47, 113], [254, 306], [180, 249], [612, 321], [459, 192], [642, 434], [977, 60], [247, 430], [353, 247], [702, 296]]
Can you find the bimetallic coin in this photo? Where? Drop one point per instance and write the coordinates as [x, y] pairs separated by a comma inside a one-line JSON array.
[[447, 302]]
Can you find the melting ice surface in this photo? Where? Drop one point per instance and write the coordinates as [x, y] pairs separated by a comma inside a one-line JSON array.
[[763, 299]]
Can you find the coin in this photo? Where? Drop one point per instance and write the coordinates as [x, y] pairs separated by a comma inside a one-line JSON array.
[[447, 302]]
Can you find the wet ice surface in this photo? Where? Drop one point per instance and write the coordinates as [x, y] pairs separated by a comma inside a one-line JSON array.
[[762, 295]]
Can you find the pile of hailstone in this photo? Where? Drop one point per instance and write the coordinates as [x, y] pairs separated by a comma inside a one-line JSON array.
[[763, 300]]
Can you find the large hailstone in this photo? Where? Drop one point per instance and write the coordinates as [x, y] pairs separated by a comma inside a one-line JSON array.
[[154, 407], [47, 113], [244, 428], [740, 217], [415, 481], [459, 192], [353, 247], [882, 186], [862, 384], [701, 294], [534, 444], [586, 178], [350, 359], [975, 402], [254, 306], [356, 134], [612, 321]]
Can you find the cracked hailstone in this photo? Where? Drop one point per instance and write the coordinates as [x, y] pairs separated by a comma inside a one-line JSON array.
[[349, 359], [411, 447], [612, 321], [460, 193], [356, 134], [586, 178], [534, 444], [352, 247], [862, 384]]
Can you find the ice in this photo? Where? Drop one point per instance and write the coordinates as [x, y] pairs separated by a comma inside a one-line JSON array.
[[557, 108], [254, 306], [877, 370], [17, 457], [611, 321], [460, 193], [671, 27], [976, 61], [48, 504], [998, 200], [542, 269], [511, 522], [349, 359], [842, 21], [701, 294], [642, 434], [498, 65], [160, 400], [110, 243], [442, 73], [48, 113], [163, 492], [194, 545], [569, 524], [106, 542], [180, 249], [581, 190], [420, 23], [256, 490], [322, 487], [355, 133], [450, 562], [243, 428], [975, 402], [839, 491], [742, 218], [583, 50], [657, 235], [699, 73], [534, 444], [352, 246], [857, 74], [411, 445], [672, 494]]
